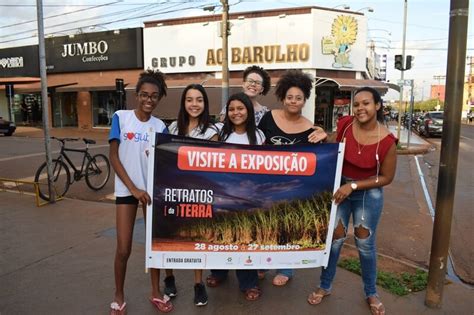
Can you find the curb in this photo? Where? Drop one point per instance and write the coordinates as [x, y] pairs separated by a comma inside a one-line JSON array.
[[422, 149]]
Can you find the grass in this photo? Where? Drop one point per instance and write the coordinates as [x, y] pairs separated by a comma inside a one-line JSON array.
[[399, 284], [296, 222]]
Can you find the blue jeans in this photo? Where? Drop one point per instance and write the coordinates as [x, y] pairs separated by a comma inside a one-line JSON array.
[[248, 279], [365, 206]]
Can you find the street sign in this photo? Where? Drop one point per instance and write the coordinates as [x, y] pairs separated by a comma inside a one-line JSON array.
[[404, 82]]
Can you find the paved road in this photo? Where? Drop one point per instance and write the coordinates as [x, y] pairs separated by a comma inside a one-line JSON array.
[[20, 157], [461, 231]]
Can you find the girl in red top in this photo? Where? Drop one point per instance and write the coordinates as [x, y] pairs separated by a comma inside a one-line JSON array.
[[369, 163]]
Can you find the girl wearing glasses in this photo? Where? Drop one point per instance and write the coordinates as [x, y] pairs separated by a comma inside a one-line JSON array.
[[194, 121], [256, 82], [129, 141]]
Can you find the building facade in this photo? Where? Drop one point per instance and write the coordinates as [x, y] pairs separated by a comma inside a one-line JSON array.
[[329, 44], [81, 75]]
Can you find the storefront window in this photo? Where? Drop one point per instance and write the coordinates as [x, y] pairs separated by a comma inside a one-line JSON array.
[[104, 105], [65, 109], [27, 109]]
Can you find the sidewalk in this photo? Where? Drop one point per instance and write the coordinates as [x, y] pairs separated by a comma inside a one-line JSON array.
[[72, 132], [58, 259], [417, 144]]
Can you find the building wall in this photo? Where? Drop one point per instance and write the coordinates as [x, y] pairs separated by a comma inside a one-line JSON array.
[[84, 110], [437, 90]]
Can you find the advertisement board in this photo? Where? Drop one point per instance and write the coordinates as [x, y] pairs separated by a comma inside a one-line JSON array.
[[19, 62], [317, 40], [109, 50], [225, 206]]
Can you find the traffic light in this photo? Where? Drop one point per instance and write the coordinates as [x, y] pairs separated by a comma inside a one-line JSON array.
[[399, 62], [409, 60]]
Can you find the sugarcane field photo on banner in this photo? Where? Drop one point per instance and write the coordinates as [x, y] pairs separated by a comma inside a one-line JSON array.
[[229, 206]]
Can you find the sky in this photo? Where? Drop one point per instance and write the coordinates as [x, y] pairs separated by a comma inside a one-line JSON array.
[[426, 35]]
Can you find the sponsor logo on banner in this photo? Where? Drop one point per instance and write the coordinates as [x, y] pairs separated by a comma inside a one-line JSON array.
[[308, 261]]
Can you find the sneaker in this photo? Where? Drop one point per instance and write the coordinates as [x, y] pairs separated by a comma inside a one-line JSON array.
[[200, 294], [170, 287]]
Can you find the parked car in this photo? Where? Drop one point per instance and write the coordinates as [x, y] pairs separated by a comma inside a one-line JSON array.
[[430, 124], [7, 127]]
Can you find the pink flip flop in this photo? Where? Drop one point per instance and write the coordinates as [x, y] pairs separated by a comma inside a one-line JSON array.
[[280, 280], [163, 305], [116, 309]]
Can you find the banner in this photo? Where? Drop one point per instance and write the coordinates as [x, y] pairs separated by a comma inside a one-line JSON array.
[[227, 206]]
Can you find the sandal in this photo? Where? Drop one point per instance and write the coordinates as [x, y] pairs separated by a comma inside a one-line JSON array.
[[280, 280], [116, 309], [317, 296], [163, 305], [252, 294], [213, 281], [376, 308]]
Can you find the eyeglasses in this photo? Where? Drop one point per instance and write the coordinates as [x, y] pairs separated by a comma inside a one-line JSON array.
[[252, 82], [145, 96]]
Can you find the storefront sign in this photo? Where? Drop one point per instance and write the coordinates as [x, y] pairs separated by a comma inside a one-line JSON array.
[[19, 62], [110, 50], [261, 54], [218, 205], [275, 42]]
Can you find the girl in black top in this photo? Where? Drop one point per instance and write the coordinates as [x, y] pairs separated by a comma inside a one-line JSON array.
[[288, 125]]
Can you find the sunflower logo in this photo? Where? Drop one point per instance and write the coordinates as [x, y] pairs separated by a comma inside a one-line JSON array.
[[343, 35]]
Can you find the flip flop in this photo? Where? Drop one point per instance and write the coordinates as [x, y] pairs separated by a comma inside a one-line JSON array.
[[163, 305], [213, 281], [317, 296], [376, 308], [252, 294], [280, 280], [116, 309]]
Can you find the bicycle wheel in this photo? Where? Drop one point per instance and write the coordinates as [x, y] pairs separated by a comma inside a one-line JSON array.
[[61, 179], [97, 171]]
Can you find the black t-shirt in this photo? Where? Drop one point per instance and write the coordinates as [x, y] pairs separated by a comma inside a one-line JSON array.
[[275, 135]]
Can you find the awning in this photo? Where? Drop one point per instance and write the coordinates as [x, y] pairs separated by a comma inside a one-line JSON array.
[[19, 80], [345, 84]]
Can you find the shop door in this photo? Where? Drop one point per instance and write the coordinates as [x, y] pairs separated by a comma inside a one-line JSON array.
[[324, 108], [65, 110]]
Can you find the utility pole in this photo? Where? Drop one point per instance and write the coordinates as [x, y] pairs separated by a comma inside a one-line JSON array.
[[458, 17], [403, 66], [225, 54], [412, 103], [44, 99]]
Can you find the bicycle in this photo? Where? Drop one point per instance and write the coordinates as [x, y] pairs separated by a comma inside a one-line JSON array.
[[96, 170]]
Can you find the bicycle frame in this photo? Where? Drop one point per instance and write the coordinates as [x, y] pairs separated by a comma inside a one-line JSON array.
[[78, 173]]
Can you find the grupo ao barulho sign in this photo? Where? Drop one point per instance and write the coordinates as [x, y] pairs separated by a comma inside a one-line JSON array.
[[110, 50], [292, 42]]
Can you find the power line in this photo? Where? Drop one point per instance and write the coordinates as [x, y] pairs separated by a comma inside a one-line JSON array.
[[111, 22], [57, 15], [75, 21]]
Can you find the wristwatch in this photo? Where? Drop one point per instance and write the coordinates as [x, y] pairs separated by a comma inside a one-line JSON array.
[[354, 186]]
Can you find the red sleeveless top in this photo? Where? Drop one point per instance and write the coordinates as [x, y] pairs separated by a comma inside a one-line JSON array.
[[364, 165]]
